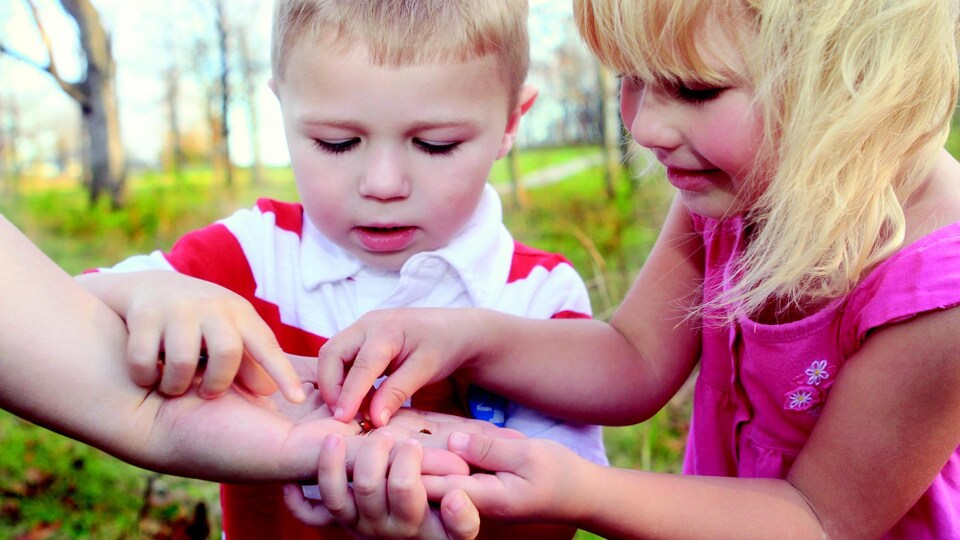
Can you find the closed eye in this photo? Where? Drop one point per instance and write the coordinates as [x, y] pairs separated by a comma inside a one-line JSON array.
[[336, 147], [434, 149], [694, 93]]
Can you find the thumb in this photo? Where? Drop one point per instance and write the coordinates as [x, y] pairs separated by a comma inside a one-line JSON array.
[[495, 454], [394, 391]]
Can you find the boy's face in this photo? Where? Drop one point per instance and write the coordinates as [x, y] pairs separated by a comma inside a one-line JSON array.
[[391, 161]]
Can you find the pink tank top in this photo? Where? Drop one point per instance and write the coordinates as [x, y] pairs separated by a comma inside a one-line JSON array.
[[761, 387]]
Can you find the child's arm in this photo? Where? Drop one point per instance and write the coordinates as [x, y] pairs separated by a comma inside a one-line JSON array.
[[176, 318], [582, 370], [890, 424]]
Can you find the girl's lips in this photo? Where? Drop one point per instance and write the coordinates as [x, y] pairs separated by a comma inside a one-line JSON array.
[[692, 180], [385, 239]]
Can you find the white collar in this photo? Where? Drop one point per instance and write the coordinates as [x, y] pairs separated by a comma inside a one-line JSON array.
[[480, 254]]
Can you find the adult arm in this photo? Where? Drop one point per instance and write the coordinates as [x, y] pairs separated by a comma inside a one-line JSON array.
[[62, 366]]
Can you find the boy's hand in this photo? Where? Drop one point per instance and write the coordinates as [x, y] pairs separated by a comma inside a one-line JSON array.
[[417, 346], [174, 319], [387, 499]]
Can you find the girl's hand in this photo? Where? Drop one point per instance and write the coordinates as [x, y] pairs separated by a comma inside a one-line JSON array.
[[525, 479], [416, 346], [181, 320], [387, 499]]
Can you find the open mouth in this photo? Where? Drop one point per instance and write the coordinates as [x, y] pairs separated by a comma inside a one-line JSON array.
[[386, 239]]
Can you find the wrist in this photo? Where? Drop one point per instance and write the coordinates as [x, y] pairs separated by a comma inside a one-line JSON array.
[[479, 347]]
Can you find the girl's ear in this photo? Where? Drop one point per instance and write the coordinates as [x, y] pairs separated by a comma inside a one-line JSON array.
[[528, 94], [272, 84]]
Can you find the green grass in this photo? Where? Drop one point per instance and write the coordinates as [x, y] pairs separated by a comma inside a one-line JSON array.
[[52, 485]]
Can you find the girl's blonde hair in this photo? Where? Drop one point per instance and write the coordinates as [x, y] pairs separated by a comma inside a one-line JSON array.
[[409, 32], [856, 97]]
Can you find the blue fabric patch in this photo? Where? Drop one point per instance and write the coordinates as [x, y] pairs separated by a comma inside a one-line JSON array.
[[485, 405]]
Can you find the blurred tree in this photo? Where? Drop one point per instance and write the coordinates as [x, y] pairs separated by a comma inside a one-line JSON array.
[[518, 189], [104, 160], [250, 71], [175, 158], [223, 148], [9, 135], [611, 132]]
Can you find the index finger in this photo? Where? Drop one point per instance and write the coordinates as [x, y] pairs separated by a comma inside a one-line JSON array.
[[265, 350], [368, 356]]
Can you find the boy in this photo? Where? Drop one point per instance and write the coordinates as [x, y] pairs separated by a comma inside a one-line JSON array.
[[394, 112]]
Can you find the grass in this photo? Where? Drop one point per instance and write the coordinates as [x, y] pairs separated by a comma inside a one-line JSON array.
[[51, 486]]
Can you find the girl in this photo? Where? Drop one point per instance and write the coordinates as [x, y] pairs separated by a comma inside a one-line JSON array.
[[810, 266]]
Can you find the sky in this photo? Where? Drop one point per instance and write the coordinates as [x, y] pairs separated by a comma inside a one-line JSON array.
[[144, 41]]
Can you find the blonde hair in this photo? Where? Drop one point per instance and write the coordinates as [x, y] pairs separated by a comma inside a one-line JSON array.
[[409, 32], [856, 97]]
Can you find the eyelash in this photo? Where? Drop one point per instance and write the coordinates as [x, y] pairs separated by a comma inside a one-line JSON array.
[[436, 149], [347, 145], [337, 147], [694, 93]]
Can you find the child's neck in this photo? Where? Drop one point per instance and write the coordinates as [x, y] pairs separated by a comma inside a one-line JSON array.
[[936, 203]]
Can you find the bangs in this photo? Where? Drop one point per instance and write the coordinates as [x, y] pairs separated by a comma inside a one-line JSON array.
[[658, 40]]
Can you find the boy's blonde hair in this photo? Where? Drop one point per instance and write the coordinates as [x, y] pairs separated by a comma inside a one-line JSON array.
[[409, 32], [856, 97]]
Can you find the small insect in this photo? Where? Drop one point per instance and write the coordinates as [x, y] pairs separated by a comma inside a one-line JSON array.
[[427, 431], [366, 426]]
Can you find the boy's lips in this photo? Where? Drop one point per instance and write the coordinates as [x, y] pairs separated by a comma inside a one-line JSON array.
[[385, 239]]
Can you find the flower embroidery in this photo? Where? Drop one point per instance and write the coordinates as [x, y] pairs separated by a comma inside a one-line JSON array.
[[811, 389], [801, 399], [817, 372]]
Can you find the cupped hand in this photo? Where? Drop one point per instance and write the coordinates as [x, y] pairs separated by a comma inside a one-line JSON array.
[[386, 498], [518, 479]]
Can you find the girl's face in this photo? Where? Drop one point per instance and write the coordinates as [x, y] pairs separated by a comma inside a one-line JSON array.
[[706, 136]]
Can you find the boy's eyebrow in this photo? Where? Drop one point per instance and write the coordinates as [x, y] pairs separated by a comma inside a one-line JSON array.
[[418, 126]]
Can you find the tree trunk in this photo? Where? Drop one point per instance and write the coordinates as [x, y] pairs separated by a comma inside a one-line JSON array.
[[224, 143], [520, 198], [611, 133], [104, 155], [248, 69]]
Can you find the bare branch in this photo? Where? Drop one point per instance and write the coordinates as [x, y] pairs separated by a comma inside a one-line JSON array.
[[72, 89]]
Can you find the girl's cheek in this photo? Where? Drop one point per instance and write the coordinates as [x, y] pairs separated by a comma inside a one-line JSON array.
[[628, 105]]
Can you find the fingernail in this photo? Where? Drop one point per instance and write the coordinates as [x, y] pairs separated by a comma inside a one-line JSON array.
[[338, 414], [457, 502], [458, 441], [384, 417], [411, 442], [331, 441], [298, 394]]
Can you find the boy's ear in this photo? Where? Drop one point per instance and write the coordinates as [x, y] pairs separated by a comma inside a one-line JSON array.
[[528, 94]]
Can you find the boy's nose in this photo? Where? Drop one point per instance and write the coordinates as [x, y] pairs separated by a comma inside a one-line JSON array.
[[385, 176]]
